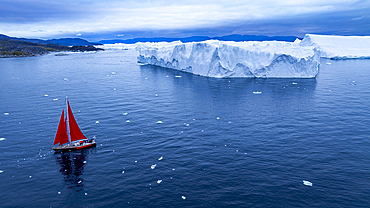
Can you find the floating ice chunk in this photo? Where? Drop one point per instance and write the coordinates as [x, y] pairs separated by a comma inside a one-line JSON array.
[[159, 122], [113, 73], [146, 78], [294, 83], [125, 114], [29, 176], [173, 168], [66, 79], [135, 161], [187, 124], [178, 76], [156, 95], [159, 181], [123, 172], [2, 139], [183, 197], [59, 192], [307, 183], [153, 166], [161, 158], [85, 194], [55, 99], [46, 95], [85, 162], [328, 63], [218, 118], [6, 114], [97, 122], [353, 83], [1, 171], [79, 181], [114, 89], [128, 121], [257, 92]]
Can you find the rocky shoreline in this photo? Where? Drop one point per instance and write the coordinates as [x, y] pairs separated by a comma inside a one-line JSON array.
[[19, 48]]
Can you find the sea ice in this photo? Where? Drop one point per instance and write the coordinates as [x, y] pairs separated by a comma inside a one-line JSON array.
[[257, 92], [2, 139], [161, 158], [159, 181], [339, 47], [46, 95], [183, 197], [6, 114], [153, 166], [59, 192], [307, 183], [128, 121], [159, 122], [97, 122], [1, 171]]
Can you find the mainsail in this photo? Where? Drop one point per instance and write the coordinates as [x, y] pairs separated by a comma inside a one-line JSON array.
[[61, 137]]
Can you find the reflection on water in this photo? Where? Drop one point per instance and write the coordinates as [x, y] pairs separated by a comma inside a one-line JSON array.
[[72, 166]]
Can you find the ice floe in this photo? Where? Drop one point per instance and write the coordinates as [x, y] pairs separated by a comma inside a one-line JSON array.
[[159, 122], [307, 183], [183, 197], [6, 114], [2, 139], [159, 181], [161, 158], [257, 92], [153, 166]]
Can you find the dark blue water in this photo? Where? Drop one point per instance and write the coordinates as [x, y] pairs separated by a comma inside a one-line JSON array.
[[222, 145]]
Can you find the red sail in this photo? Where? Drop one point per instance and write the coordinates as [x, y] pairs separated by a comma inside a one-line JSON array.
[[61, 137], [75, 131]]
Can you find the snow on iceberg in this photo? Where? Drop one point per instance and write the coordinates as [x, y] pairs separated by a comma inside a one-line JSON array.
[[339, 47], [213, 58]]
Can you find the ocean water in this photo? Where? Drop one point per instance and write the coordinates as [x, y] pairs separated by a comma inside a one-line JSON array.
[[172, 139]]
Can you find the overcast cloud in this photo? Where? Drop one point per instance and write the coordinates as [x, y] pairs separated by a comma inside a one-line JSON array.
[[45, 18]]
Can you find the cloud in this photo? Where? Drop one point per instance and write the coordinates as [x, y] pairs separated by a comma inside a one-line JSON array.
[[27, 17]]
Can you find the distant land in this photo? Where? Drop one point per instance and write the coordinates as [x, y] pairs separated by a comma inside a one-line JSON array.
[[234, 37], [60, 41], [22, 47]]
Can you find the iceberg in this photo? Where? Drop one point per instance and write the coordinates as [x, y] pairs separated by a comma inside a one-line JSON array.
[[339, 47], [213, 58], [265, 59]]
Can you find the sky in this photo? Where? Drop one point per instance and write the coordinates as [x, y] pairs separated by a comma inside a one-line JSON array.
[[96, 20]]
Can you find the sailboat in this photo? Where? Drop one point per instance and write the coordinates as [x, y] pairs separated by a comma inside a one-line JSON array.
[[69, 136]]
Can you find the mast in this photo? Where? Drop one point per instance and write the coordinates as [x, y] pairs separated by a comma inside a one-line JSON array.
[[67, 123]]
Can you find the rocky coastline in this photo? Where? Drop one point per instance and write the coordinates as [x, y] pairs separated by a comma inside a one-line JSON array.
[[20, 48]]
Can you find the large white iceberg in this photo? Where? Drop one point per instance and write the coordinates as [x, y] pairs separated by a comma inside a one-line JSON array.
[[339, 47], [215, 58]]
